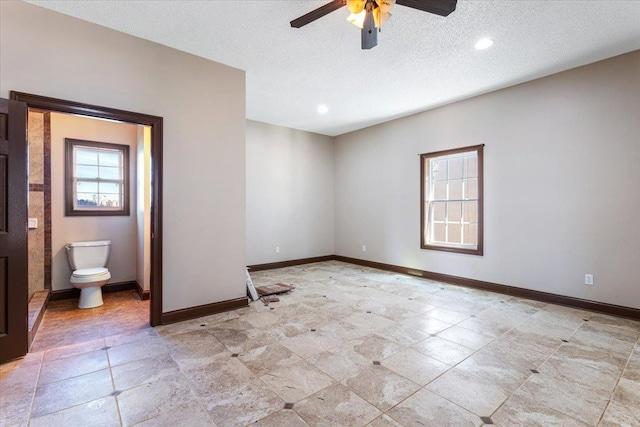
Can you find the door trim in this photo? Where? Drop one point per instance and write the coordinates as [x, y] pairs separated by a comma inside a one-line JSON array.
[[155, 122]]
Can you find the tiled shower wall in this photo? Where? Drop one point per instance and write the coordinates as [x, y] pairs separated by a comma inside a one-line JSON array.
[[39, 201]]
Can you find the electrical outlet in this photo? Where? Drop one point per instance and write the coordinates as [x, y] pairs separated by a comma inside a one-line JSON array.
[[588, 279], [364, 248], [277, 249]]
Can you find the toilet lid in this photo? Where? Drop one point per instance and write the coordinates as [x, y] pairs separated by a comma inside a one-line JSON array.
[[90, 272]]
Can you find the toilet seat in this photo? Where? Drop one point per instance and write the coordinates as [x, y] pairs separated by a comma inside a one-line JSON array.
[[90, 275], [90, 272]]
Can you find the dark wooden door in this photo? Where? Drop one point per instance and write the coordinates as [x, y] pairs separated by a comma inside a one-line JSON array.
[[13, 230]]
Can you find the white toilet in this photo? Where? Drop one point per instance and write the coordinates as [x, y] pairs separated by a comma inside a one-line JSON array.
[[88, 260]]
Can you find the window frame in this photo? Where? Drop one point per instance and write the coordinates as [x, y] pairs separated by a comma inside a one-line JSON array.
[[69, 191], [423, 220]]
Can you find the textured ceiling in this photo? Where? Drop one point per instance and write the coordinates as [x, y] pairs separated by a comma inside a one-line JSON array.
[[421, 61]]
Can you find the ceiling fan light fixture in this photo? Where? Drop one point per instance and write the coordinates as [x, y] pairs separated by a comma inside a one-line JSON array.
[[385, 5], [484, 43], [357, 19], [355, 6], [380, 17]]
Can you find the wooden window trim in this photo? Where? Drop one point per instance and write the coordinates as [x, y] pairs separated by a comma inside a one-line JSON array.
[[70, 210], [423, 223]]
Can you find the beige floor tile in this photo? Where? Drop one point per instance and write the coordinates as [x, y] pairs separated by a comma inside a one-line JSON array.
[[308, 344], [496, 369], [428, 409], [140, 371], [282, 418], [632, 371], [336, 406], [296, 381], [382, 387], [384, 421], [624, 408], [263, 319], [489, 327], [445, 315], [74, 349], [403, 335], [15, 406], [426, 324], [18, 375], [570, 388], [475, 393], [597, 358], [342, 332], [241, 341], [191, 414], [136, 350], [415, 366], [223, 374], [522, 348], [100, 412], [132, 336], [603, 340], [53, 397], [152, 399], [621, 329], [340, 364], [369, 322], [264, 359], [287, 330], [445, 351], [465, 337], [73, 366], [190, 364], [374, 347], [519, 410], [194, 349], [243, 404]]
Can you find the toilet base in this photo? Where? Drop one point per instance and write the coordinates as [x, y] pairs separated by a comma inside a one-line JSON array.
[[90, 297]]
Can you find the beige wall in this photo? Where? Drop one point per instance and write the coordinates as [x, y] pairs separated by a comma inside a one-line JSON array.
[[121, 230], [289, 194], [561, 184], [203, 105], [36, 201], [143, 207]]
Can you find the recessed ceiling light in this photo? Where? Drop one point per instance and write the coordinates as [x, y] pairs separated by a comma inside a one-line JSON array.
[[483, 44], [323, 109]]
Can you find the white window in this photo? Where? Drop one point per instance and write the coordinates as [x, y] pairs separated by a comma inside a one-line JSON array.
[[97, 178], [451, 194]]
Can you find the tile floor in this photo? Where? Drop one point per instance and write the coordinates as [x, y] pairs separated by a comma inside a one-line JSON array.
[[350, 346]]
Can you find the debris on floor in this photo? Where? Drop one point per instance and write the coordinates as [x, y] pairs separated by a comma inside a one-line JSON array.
[[278, 288], [269, 298]]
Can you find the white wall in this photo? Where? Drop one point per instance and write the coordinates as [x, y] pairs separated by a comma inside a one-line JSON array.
[[289, 194], [562, 181], [121, 230], [143, 207], [203, 105]]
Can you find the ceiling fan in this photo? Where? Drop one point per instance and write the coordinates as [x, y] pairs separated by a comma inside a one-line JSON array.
[[371, 14]]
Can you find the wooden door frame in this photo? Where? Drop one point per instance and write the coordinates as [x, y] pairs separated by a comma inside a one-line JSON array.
[[155, 122]]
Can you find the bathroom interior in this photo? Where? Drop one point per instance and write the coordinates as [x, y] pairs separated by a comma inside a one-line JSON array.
[[52, 229]]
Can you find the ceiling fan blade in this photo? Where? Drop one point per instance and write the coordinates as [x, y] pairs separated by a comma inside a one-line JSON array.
[[318, 13], [439, 7]]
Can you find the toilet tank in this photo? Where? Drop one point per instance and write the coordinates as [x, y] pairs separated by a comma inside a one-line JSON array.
[[88, 254]]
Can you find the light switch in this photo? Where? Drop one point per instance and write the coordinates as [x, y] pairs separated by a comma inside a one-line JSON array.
[[33, 223]]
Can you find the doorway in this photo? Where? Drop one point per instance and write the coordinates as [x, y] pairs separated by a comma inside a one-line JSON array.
[[154, 125]]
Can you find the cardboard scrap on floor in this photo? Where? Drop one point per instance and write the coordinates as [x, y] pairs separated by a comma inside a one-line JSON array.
[[278, 288], [269, 298]]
